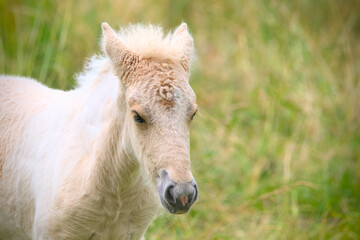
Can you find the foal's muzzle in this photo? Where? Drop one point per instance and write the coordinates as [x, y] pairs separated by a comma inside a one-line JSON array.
[[177, 198]]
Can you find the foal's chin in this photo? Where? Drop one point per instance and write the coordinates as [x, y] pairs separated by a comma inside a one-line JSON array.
[[171, 209], [177, 198]]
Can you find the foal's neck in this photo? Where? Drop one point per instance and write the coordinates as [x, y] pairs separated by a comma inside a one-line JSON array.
[[113, 168]]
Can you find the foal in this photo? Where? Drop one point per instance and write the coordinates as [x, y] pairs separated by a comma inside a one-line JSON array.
[[97, 162]]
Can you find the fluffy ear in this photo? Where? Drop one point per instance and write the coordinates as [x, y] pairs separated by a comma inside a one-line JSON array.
[[112, 45], [184, 40], [122, 58]]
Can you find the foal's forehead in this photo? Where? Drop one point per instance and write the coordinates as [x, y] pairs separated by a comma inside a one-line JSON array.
[[164, 81]]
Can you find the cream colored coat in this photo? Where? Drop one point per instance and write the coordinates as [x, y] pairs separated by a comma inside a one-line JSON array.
[[74, 165]]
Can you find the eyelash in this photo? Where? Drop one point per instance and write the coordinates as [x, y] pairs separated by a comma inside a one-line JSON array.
[[192, 117], [137, 118]]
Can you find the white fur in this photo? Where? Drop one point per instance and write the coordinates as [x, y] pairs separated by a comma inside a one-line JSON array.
[[53, 140]]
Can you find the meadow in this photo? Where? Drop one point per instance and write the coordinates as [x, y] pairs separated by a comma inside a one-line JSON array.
[[276, 144]]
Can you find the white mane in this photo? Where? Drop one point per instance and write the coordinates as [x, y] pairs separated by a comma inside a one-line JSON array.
[[92, 70]]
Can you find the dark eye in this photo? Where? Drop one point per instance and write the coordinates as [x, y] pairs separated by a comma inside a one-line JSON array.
[[137, 117], [192, 117]]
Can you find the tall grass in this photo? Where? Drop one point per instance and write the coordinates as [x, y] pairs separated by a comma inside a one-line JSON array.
[[276, 146]]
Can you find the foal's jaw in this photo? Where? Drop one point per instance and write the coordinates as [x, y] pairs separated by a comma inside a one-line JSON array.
[[176, 197]]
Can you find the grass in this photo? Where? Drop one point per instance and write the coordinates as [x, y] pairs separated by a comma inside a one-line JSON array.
[[276, 146]]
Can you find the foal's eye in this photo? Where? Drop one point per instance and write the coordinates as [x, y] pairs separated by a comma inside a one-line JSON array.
[[137, 117], [192, 117]]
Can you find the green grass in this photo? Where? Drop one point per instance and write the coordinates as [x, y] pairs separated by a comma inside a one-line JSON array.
[[276, 145]]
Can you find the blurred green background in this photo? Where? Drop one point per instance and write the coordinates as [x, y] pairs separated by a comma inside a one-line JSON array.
[[276, 145]]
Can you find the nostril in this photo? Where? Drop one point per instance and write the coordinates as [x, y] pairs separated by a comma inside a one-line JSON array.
[[193, 196], [169, 195]]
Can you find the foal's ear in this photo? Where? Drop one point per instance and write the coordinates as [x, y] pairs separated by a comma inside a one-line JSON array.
[[184, 40], [122, 58], [112, 44]]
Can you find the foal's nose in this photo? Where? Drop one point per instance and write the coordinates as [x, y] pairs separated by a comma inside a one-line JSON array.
[[176, 197], [180, 196]]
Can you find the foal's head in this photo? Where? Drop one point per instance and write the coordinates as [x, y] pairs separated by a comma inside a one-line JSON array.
[[160, 106]]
